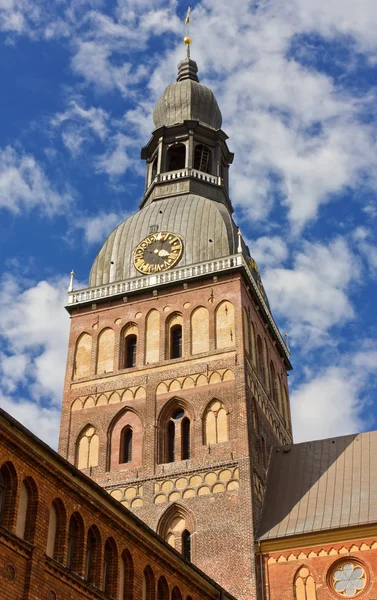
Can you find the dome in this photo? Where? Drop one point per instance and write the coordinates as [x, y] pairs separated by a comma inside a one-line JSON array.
[[205, 227], [187, 99]]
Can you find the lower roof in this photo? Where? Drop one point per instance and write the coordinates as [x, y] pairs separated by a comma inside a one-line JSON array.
[[320, 485]]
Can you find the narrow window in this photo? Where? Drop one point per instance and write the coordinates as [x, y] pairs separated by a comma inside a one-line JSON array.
[[186, 544], [185, 438], [126, 446], [176, 341], [109, 581], [154, 168], [162, 589], [72, 543], [171, 441], [126, 577], [75, 544], [2, 496], [130, 351]]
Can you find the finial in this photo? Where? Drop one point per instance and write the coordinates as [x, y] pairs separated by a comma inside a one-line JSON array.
[[187, 40], [70, 289], [239, 249], [286, 335]]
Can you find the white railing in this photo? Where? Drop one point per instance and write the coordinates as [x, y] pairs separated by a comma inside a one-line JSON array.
[[173, 175], [174, 275]]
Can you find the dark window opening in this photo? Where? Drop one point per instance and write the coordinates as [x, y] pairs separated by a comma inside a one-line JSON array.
[[2, 497], [91, 563], [186, 544], [126, 446], [171, 441], [109, 577], [72, 544], [154, 168], [176, 157], [176, 341], [202, 158], [130, 351], [185, 438], [179, 414]]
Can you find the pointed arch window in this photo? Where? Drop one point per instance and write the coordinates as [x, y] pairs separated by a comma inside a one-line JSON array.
[[149, 585], [126, 576], [304, 585], [260, 359], [56, 531], [93, 556], [126, 445], [110, 559], [88, 449], [75, 544], [162, 589], [175, 436], [9, 484], [27, 510], [176, 527]]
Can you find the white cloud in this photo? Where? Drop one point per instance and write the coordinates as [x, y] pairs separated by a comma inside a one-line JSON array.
[[268, 251], [334, 399], [116, 159], [42, 421], [312, 297], [24, 185], [34, 336], [98, 227]]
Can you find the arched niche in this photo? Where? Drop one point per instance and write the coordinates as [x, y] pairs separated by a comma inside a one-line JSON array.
[[224, 324], [105, 351], [127, 428], [152, 337], [83, 356], [199, 330]]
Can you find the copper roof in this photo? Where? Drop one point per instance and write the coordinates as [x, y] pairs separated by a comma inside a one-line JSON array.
[[321, 485]]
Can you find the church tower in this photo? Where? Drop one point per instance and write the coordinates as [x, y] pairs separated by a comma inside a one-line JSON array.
[[176, 382]]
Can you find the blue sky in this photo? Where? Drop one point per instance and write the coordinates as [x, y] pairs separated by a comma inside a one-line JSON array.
[[296, 83]]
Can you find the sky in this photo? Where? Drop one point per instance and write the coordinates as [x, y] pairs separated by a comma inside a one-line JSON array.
[[296, 83]]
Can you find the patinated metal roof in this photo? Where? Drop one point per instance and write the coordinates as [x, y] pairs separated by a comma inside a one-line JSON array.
[[187, 99], [205, 227], [321, 485]]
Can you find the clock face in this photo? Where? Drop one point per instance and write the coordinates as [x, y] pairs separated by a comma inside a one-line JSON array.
[[158, 252]]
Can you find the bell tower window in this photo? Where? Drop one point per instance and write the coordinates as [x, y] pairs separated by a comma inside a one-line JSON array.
[[130, 351], [176, 341], [176, 157], [203, 159]]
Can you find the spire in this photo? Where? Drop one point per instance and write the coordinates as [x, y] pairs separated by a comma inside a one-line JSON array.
[[187, 68]]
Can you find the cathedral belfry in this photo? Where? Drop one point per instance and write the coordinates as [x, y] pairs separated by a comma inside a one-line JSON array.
[[176, 384]]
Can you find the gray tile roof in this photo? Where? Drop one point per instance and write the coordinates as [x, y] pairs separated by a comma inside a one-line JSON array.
[[195, 219], [321, 485]]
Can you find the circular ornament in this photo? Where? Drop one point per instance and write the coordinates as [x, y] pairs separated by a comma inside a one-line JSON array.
[[158, 252], [348, 578]]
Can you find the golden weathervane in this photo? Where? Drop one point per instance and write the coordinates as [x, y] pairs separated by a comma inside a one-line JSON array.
[[187, 40]]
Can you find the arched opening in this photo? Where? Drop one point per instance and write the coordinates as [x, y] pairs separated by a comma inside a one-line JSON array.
[[93, 556], [199, 330], [215, 423], [176, 157], [75, 543], [9, 485], [186, 544], [273, 384], [176, 594], [110, 575], [126, 445], [304, 585], [174, 432], [126, 440], [162, 589], [176, 341], [83, 356], [56, 531], [203, 158], [87, 451], [176, 527], [149, 584], [152, 337], [224, 320], [27, 510], [105, 351], [126, 586], [185, 438], [260, 359]]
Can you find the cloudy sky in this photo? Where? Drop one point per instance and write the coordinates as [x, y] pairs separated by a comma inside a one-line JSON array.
[[296, 82]]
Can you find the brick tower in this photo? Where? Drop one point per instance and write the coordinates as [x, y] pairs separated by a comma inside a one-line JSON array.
[[176, 382]]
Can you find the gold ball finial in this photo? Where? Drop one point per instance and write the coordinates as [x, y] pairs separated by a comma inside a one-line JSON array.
[[187, 40]]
